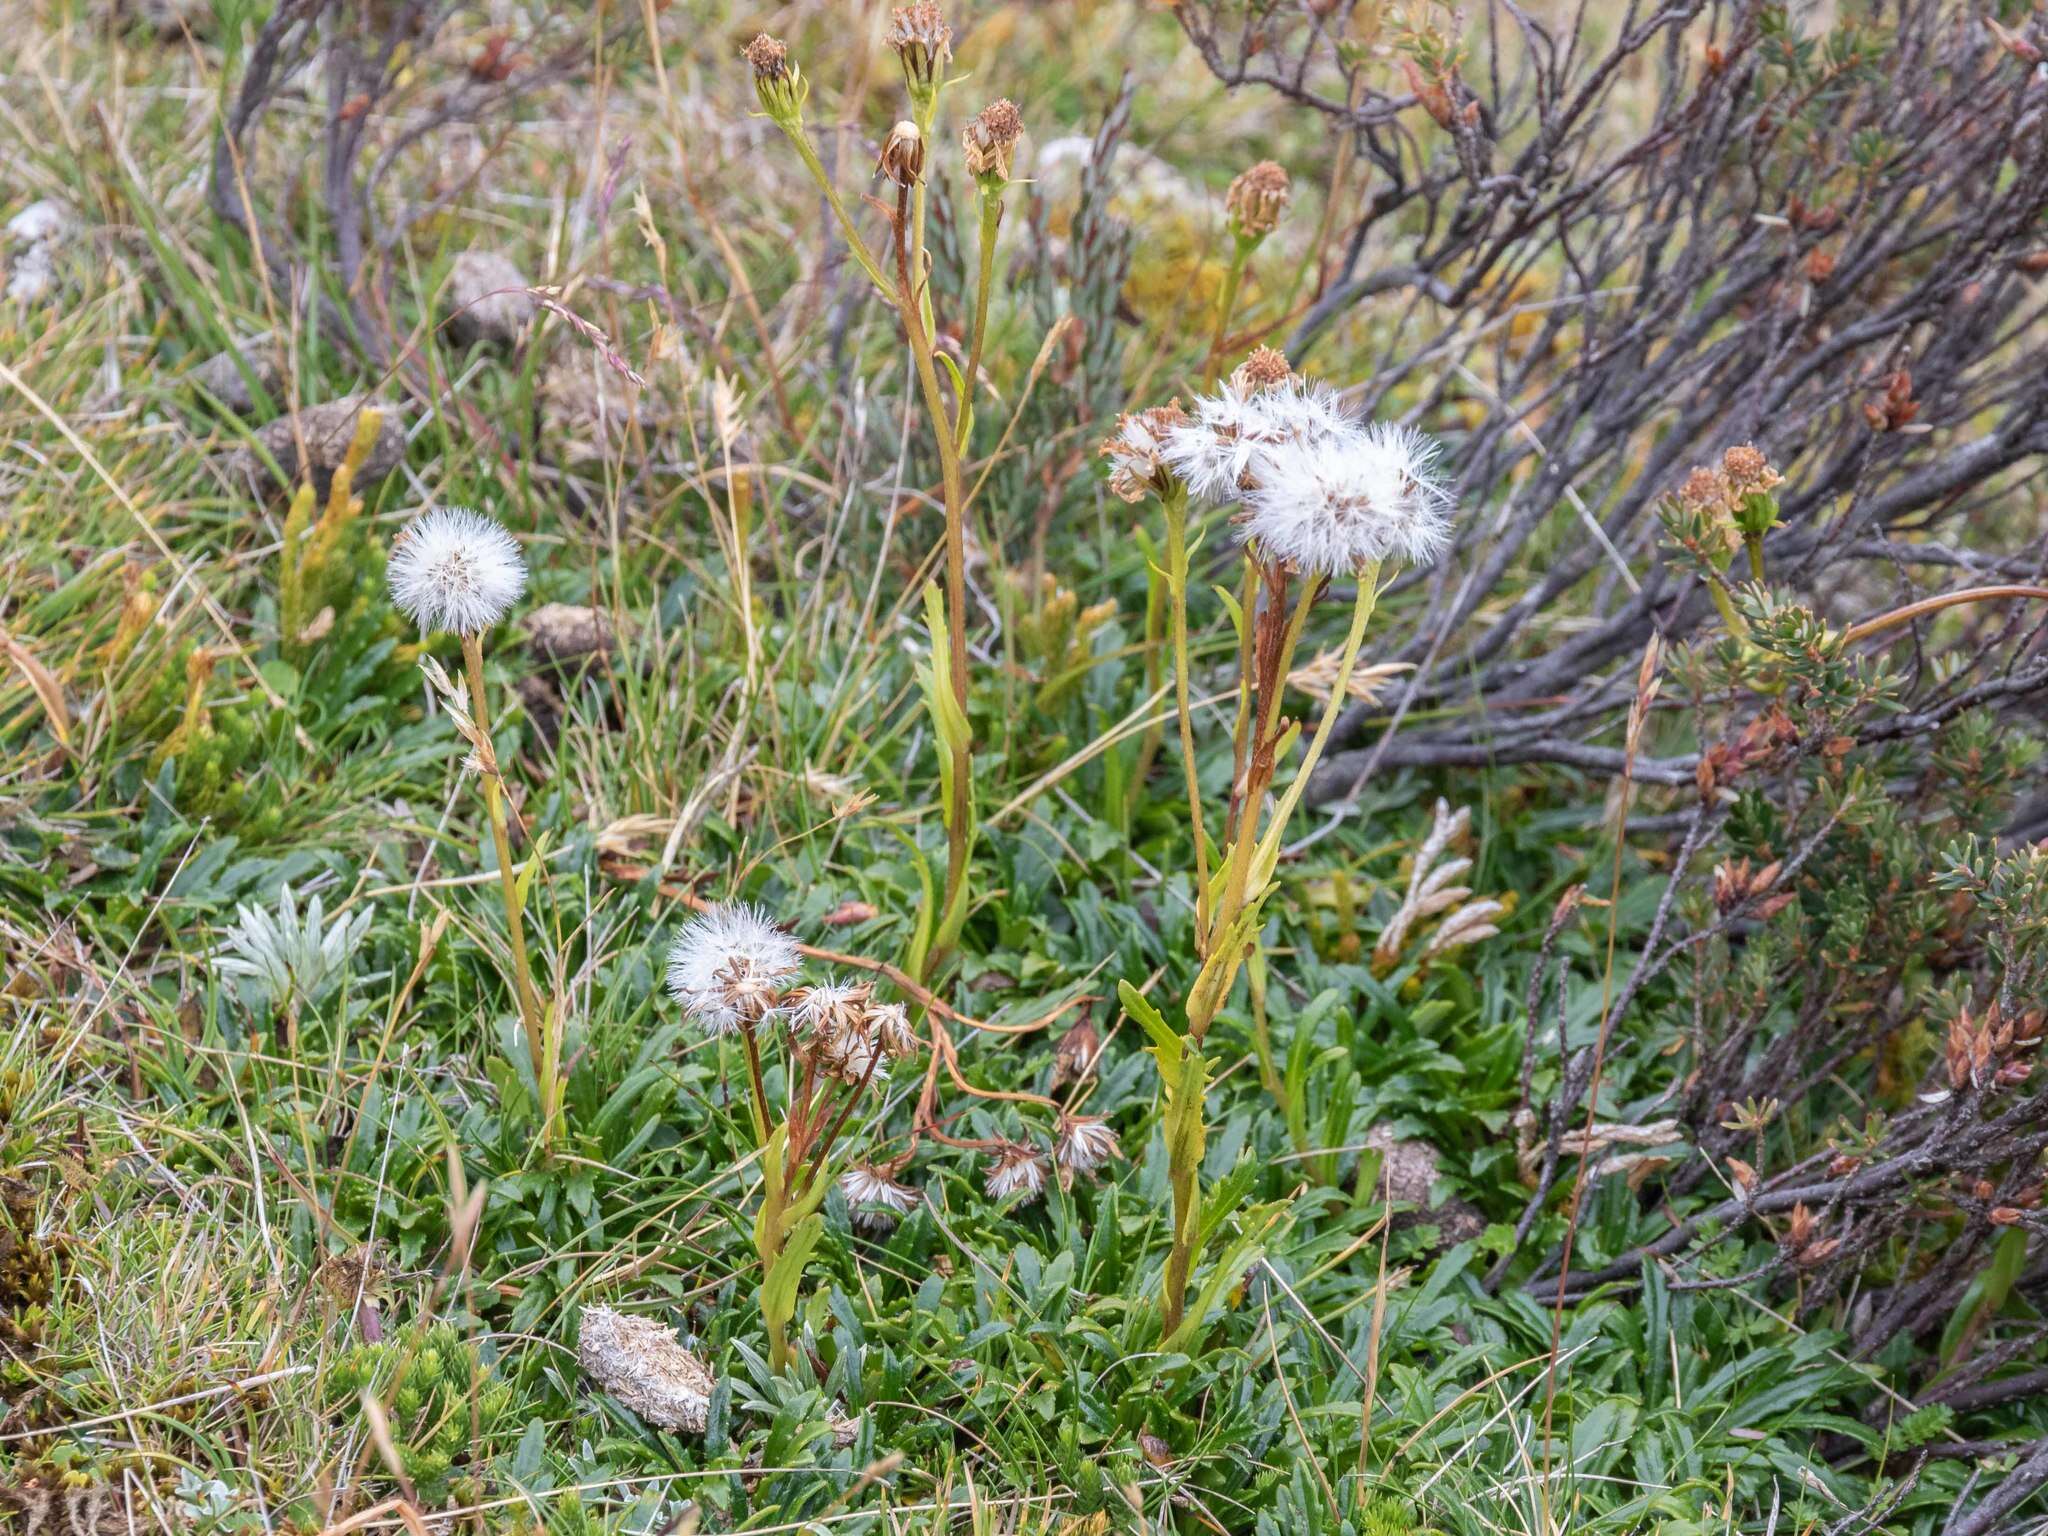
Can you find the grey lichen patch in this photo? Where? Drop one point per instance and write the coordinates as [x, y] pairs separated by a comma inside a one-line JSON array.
[[639, 1362]]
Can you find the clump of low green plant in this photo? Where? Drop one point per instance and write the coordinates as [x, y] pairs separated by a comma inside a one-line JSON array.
[[446, 1408]]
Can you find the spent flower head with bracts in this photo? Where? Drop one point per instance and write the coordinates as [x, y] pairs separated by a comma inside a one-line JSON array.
[[779, 85], [923, 42], [1137, 450], [1349, 500], [877, 1201], [1018, 1169], [454, 569], [726, 963], [836, 1030], [1255, 200], [990, 140]]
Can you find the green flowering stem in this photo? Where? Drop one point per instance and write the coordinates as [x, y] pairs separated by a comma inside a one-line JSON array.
[[1174, 499], [991, 220], [1242, 246], [793, 128], [1232, 932], [957, 777], [540, 1043]]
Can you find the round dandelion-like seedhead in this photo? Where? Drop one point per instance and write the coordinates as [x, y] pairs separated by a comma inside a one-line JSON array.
[[1018, 1169], [1255, 199], [1350, 500], [1137, 450], [726, 963], [455, 569], [990, 138], [878, 1202], [1223, 449], [1084, 1144]]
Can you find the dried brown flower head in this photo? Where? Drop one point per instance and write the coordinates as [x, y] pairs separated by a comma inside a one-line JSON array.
[[1134, 450], [1256, 198], [1263, 368], [1075, 1053], [768, 55], [779, 85], [902, 157], [1748, 470], [990, 137], [922, 40]]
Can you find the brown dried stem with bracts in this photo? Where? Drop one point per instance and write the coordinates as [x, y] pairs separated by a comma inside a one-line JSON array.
[[1867, 232]]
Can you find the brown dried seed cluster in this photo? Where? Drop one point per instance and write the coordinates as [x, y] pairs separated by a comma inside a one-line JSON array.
[[1748, 470], [769, 56], [990, 137], [1256, 198]]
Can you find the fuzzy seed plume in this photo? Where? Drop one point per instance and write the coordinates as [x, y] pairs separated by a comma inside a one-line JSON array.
[[454, 569], [1084, 1144], [1366, 496], [1228, 443], [877, 1201], [726, 963], [1018, 1168]]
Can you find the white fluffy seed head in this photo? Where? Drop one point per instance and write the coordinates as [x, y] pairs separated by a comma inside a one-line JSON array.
[[1226, 447], [455, 569], [877, 1200], [1368, 495], [725, 960], [1084, 1143], [1018, 1169]]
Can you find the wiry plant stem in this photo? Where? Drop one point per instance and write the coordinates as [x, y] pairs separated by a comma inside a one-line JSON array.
[[532, 1017]]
